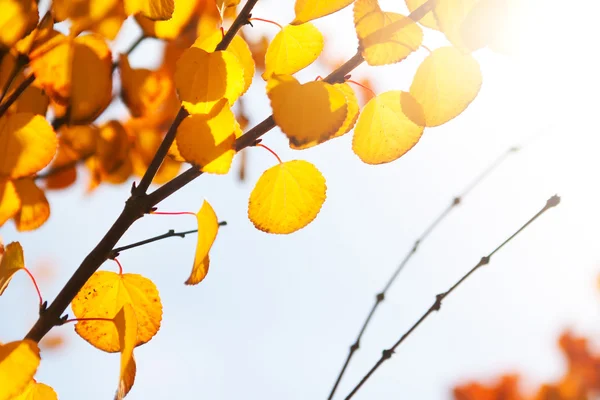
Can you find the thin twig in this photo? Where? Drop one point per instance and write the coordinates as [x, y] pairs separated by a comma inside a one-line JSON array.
[[129, 50], [20, 62], [16, 94], [380, 297], [138, 204], [171, 233], [437, 304]]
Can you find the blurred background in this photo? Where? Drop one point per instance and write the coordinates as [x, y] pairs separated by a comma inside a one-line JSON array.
[[276, 314]]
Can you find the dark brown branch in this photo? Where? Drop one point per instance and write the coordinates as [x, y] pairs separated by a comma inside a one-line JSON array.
[[437, 304], [380, 297], [20, 62], [171, 233], [16, 94], [135, 207]]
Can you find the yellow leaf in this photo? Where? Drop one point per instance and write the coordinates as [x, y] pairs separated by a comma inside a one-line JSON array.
[[171, 28], [111, 162], [127, 327], [10, 203], [287, 197], [16, 20], [38, 36], [153, 9], [35, 209], [445, 84], [498, 24], [208, 141], [18, 363], [146, 142], [11, 262], [307, 113], [389, 126], [428, 20], [208, 226], [450, 16], [78, 9], [384, 37], [29, 144], [103, 296], [292, 49], [109, 26], [37, 391], [347, 125], [202, 79], [237, 47], [143, 91], [307, 10], [33, 99]]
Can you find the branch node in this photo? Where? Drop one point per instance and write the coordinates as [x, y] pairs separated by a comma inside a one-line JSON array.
[[416, 246], [553, 201], [484, 261], [133, 188], [387, 354], [380, 297], [355, 347], [43, 307], [456, 201], [62, 320], [514, 149], [223, 223], [438, 302]]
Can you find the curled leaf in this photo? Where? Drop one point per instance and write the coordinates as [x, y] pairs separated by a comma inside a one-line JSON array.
[[208, 226]]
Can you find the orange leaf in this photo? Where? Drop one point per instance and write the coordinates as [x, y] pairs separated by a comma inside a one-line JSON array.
[[208, 226], [11, 262], [35, 209], [127, 327], [18, 363]]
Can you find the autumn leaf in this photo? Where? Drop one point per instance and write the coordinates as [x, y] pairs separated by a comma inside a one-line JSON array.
[[171, 27], [17, 18], [445, 83], [203, 78], [208, 226], [384, 37], [208, 141], [127, 328], [153, 9], [450, 16], [29, 144], [307, 10], [287, 197], [111, 161], [306, 113], [37, 391], [10, 203], [292, 49], [104, 295], [11, 262], [18, 363], [32, 100], [34, 210], [428, 20], [388, 127]]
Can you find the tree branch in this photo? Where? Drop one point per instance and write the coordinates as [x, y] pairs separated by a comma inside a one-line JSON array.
[[437, 304], [171, 233], [14, 96]]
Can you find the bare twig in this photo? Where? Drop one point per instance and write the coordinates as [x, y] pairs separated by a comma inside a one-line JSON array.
[[130, 50], [437, 304], [171, 233], [14, 96]]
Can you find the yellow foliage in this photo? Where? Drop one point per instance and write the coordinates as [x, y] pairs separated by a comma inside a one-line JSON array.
[[203, 79], [104, 295], [109, 26], [307, 10], [158, 10], [208, 141], [111, 161], [307, 113], [10, 203], [37, 391], [445, 84], [29, 144], [11, 262], [208, 226], [17, 18], [18, 363], [384, 37], [295, 47], [33, 99], [34, 210], [127, 327], [287, 197], [428, 20], [389, 126], [170, 28]]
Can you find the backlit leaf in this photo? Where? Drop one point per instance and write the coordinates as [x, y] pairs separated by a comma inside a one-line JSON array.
[[35, 209], [103, 296], [16, 20], [351, 116], [11, 262], [307, 113], [295, 47], [307, 10], [208, 141], [237, 47], [384, 37], [287, 197], [202, 79], [153, 9], [18, 363], [445, 84], [450, 16], [428, 20], [29, 144], [389, 126], [111, 161], [127, 327], [37, 391], [33, 99], [172, 27], [208, 226], [10, 203]]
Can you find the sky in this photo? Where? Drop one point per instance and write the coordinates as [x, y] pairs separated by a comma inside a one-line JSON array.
[[276, 314]]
